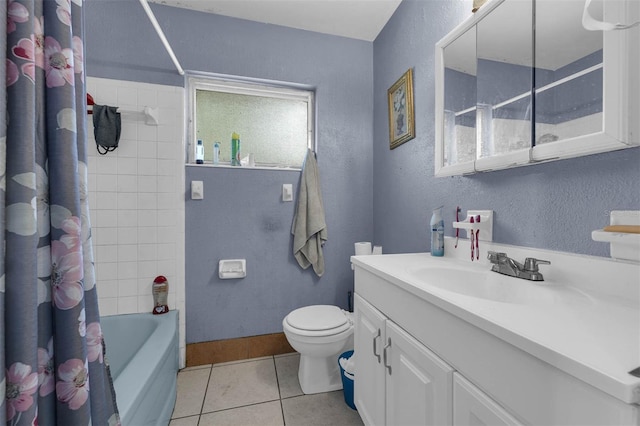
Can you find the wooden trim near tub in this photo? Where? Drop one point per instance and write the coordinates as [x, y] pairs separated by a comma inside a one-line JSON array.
[[217, 351]]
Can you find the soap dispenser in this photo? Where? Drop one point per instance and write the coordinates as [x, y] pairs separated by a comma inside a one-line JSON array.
[[437, 232]]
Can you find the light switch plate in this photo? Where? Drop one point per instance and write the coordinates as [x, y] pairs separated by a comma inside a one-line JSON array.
[[197, 190], [287, 192]]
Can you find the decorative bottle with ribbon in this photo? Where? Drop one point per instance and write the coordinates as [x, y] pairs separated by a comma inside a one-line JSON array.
[[160, 292]]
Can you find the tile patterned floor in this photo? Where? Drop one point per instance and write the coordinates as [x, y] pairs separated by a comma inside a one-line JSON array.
[[262, 391]]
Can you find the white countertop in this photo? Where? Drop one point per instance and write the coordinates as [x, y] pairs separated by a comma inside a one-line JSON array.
[[583, 319]]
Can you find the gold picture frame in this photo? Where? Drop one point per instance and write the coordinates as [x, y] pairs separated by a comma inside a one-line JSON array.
[[401, 117]]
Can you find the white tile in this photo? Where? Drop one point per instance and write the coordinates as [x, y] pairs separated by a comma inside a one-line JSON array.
[[128, 146], [147, 97], [147, 218], [127, 252], [166, 234], [169, 100], [128, 287], [127, 200], [147, 201], [241, 384], [174, 116], [129, 132], [106, 218], [127, 166], [147, 133], [147, 252], [185, 421], [167, 150], [166, 251], [167, 218], [168, 269], [127, 218], [128, 305], [171, 134], [147, 184], [106, 236], [107, 165], [147, 166], [108, 306], [192, 385], [106, 183], [145, 286], [145, 303], [127, 183], [127, 235], [267, 413], [107, 288], [127, 96], [147, 235], [107, 200], [167, 167], [167, 184], [168, 201], [107, 253], [105, 95], [106, 271], [147, 269], [127, 270], [147, 149]]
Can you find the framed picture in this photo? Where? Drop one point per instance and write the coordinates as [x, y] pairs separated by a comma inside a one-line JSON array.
[[401, 118]]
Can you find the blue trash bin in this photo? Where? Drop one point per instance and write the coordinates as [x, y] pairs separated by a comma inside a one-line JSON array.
[[347, 381]]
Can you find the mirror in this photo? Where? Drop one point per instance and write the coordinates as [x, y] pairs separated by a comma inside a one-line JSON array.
[[460, 100], [568, 86], [521, 81], [505, 77]]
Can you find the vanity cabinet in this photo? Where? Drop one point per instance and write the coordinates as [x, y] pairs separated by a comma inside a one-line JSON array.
[[474, 407], [399, 381], [422, 360]]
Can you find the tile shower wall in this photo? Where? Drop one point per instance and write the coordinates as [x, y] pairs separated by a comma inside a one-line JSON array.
[[136, 199]]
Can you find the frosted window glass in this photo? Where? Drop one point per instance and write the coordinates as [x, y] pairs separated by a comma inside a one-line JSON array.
[[274, 130]]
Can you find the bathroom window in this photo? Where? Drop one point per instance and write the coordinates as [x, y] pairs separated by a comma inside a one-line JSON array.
[[275, 122]]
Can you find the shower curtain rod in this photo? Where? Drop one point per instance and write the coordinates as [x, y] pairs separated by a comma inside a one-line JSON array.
[[164, 40]]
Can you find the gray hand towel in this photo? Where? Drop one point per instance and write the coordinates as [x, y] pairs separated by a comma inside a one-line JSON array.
[[106, 127], [309, 228]]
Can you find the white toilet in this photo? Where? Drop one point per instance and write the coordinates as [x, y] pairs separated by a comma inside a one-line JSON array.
[[320, 333]]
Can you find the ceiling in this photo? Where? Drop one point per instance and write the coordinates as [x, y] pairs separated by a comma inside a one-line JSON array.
[[358, 19]]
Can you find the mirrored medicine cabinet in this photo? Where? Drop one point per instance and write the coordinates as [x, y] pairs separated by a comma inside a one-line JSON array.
[[522, 81]]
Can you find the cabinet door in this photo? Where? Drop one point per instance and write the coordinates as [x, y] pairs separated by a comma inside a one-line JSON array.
[[474, 407], [419, 384], [369, 372]]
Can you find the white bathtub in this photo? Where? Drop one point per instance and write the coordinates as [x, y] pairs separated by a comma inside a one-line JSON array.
[[142, 350]]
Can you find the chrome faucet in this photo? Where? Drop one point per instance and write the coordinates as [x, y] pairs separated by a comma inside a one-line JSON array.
[[503, 264]]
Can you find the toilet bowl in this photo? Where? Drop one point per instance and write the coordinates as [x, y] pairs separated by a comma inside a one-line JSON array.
[[320, 333]]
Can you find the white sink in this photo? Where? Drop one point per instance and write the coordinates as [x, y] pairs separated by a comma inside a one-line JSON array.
[[485, 284]]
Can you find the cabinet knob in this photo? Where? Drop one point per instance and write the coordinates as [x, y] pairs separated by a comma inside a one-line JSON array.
[[375, 346], [384, 355]]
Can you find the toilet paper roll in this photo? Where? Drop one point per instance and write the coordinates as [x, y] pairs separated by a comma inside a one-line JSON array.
[[363, 248]]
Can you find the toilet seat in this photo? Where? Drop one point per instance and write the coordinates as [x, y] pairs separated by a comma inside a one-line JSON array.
[[318, 320]]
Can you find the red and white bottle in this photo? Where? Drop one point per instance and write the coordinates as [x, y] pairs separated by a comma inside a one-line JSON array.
[[160, 290]]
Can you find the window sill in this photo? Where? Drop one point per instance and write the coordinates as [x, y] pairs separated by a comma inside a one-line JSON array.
[[257, 167]]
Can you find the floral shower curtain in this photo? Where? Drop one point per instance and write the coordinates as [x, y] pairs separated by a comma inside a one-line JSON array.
[[52, 348]]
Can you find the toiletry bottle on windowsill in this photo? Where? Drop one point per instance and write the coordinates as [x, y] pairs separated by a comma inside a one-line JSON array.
[[199, 152], [216, 153]]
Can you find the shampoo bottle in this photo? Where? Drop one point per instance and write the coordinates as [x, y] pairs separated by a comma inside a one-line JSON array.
[[437, 232], [216, 153], [199, 152], [235, 149]]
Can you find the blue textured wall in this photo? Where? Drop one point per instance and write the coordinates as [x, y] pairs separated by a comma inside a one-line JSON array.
[[554, 205], [242, 215]]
